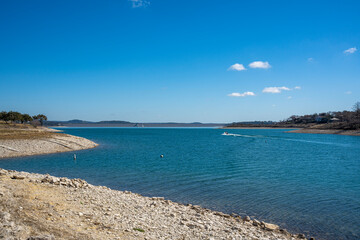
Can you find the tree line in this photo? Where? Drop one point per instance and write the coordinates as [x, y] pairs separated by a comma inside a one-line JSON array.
[[17, 117], [328, 117], [346, 120]]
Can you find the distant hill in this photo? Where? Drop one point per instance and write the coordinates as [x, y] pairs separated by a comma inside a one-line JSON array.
[[117, 123], [257, 123], [77, 121], [113, 122]]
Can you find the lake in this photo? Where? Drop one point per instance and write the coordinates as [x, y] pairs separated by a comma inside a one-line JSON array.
[[307, 183]]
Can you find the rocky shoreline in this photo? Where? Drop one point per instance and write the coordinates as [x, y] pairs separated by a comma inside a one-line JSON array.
[[36, 206]]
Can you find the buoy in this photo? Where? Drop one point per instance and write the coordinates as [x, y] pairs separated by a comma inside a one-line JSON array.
[[161, 156], [74, 156]]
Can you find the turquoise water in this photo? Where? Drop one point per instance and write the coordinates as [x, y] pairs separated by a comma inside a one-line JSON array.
[[308, 183]]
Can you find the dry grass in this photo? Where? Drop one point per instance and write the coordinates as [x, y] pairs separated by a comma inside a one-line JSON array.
[[10, 131]]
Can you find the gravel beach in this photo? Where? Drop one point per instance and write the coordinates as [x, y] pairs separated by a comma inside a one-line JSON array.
[[35, 206]]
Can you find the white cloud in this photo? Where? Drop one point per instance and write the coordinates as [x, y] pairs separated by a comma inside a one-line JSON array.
[[310, 60], [350, 50], [275, 89], [348, 92], [289, 97], [260, 64], [237, 67], [297, 88], [241, 94], [139, 3]]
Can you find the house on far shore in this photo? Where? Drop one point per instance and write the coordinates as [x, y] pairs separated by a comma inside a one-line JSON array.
[[334, 120]]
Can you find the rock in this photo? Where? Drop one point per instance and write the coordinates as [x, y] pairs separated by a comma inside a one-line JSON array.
[[50, 179], [5, 215], [301, 236], [284, 231], [246, 219], [17, 177], [193, 225], [222, 214], [153, 198], [256, 222], [9, 224], [269, 226]]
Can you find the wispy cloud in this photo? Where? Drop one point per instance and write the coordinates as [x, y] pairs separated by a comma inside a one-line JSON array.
[[236, 67], [310, 60], [139, 3], [241, 94], [289, 97], [279, 89], [260, 64], [350, 50], [348, 92], [275, 89]]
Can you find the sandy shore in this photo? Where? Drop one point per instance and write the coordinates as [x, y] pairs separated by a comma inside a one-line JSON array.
[[35, 205], [26, 142]]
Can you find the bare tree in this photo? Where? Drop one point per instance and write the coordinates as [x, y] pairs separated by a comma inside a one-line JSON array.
[[356, 107]]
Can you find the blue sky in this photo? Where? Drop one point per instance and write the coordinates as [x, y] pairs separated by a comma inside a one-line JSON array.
[[179, 60]]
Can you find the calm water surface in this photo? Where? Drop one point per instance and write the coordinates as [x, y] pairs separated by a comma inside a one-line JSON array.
[[307, 183]]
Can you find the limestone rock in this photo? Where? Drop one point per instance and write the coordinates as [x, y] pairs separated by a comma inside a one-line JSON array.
[[256, 222], [17, 177], [269, 226]]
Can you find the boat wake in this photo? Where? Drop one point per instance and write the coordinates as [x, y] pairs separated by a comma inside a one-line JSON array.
[[241, 135]]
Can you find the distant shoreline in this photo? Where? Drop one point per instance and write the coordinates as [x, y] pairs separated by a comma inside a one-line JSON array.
[[327, 131], [256, 128], [145, 125], [306, 130]]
